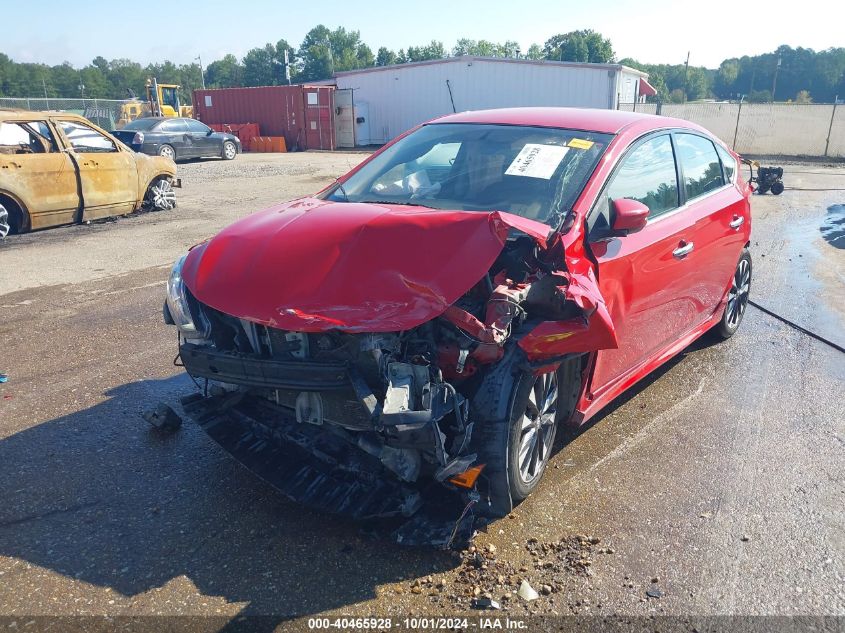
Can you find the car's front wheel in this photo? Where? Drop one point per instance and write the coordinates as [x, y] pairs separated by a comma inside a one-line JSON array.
[[160, 195], [737, 297], [229, 150], [516, 447], [532, 434], [167, 151]]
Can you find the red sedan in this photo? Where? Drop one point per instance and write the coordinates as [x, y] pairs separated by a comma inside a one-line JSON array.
[[439, 311]]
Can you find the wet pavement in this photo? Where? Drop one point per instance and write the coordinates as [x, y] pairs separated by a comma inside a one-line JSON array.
[[721, 476]]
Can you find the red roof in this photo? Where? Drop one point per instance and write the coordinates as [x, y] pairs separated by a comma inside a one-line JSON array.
[[589, 119]]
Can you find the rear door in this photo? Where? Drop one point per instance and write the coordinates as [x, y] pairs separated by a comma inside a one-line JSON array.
[[648, 279], [35, 171], [108, 175], [717, 211], [176, 135]]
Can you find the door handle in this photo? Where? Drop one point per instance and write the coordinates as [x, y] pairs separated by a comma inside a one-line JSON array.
[[683, 250], [737, 222], [90, 163]]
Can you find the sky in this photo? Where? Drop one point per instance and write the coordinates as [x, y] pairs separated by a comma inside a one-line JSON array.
[[654, 31]]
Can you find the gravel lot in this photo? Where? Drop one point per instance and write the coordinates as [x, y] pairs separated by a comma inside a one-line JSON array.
[[714, 488]]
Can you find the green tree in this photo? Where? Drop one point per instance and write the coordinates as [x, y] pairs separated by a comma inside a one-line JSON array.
[[261, 67], [385, 57], [224, 73], [324, 52], [485, 48], [535, 51], [432, 50], [579, 46]]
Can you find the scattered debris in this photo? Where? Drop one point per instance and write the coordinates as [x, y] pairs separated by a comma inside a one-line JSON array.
[[163, 418], [3, 378], [654, 592], [485, 603], [526, 592], [745, 538]]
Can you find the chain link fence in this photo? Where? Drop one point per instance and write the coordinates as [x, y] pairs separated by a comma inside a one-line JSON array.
[[764, 129], [102, 112]]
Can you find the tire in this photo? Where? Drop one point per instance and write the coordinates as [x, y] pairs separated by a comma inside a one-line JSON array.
[[167, 151], [516, 449], [160, 195], [737, 298], [777, 188], [229, 150]]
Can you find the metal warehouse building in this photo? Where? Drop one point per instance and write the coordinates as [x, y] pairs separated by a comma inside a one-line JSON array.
[[373, 105]]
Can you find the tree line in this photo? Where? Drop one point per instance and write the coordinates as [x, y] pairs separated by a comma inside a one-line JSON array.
[[799, 74]]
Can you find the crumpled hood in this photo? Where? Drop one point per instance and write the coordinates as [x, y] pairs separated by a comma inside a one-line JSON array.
[[311, 265]]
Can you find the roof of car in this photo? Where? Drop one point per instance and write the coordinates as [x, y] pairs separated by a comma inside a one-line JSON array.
[[588, 119], [9, 113]]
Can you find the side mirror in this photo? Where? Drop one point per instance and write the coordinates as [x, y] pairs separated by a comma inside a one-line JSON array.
[[629, 216], [209, 133]]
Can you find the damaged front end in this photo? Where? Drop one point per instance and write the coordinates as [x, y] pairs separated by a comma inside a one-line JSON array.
[[354, 382]]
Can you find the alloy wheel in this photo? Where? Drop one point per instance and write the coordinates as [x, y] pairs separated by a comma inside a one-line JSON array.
[[162, 195], [738, 295], [167, 152], [4, 222], [538, 427], [229, 150]]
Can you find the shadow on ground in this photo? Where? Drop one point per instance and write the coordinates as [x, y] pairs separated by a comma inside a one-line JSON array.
[[99, 497]]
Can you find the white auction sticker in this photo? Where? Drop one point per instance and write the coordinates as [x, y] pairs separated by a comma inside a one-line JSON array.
[[537, 161]]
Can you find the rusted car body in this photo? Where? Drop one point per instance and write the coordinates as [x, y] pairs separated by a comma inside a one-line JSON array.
[[434, 315], [58, 168]]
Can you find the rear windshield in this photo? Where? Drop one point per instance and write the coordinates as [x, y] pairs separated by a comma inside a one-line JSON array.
[[534, 172], [141, 124]]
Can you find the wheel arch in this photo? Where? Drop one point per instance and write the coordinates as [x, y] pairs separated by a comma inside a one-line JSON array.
[[16, 206]]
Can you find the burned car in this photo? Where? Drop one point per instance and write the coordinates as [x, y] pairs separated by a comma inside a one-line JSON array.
[[436, 314], [58, 168]]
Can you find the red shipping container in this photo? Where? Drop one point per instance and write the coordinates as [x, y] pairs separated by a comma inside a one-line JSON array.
[[304, 115]]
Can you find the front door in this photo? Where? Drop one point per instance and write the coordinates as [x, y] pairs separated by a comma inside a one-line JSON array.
[[107, 174], [34, 170], [201, 136], [648, 279]]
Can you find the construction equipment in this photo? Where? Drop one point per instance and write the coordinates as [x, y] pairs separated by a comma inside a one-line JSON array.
[[162, 100]]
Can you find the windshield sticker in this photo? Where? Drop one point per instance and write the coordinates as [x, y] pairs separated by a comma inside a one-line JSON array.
[[537, 161], [580, 143]]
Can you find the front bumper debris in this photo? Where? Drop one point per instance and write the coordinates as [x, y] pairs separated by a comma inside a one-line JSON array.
[[327, 471]]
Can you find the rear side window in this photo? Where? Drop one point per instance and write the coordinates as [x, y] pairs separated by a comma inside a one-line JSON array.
[[700, 164], [648, 175], [728, 163], [176, 125]]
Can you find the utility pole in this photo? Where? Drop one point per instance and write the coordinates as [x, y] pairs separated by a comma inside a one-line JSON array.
[[202, 74], [775, 80], [686, 68]]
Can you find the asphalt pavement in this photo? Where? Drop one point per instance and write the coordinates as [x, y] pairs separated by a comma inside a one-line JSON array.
[[715, 487]]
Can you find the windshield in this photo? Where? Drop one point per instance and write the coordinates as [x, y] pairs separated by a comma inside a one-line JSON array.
[[141, 124], [530, 171]]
